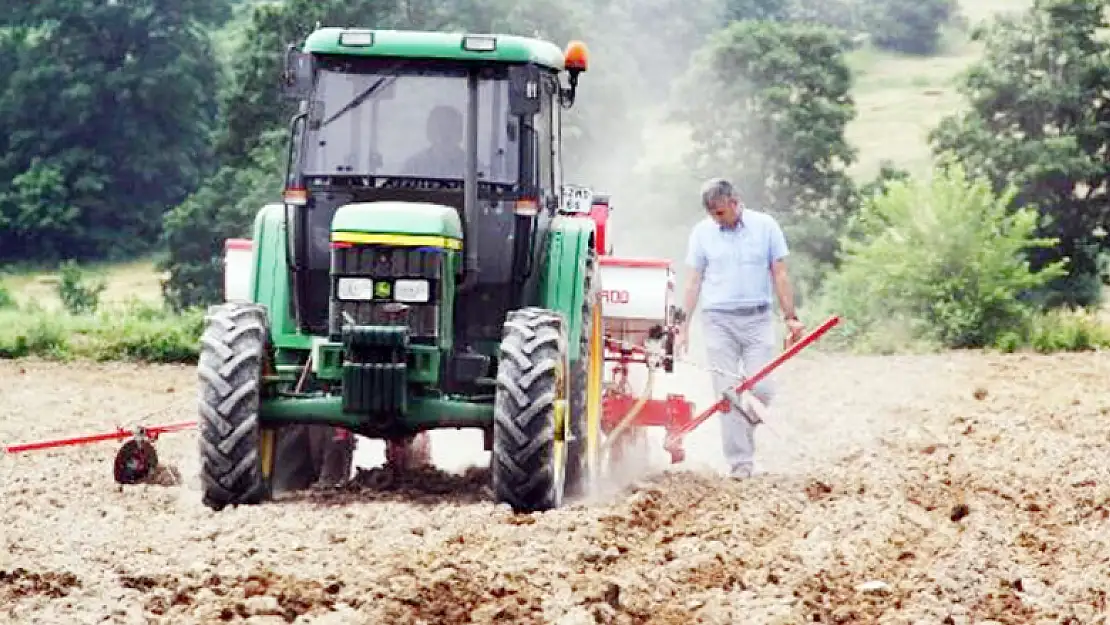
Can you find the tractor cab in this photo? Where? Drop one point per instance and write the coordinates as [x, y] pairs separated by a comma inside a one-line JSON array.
[[417, 134]]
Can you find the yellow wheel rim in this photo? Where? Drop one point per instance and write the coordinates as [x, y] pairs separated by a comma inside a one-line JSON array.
[[267, 435], [594, 374], [560, 418], [266, 452]]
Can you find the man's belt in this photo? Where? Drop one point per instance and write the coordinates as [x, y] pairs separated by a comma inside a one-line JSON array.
[[752, 310], [742, 310]]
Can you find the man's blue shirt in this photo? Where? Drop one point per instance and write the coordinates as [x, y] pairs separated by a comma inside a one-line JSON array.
[[736, 263]]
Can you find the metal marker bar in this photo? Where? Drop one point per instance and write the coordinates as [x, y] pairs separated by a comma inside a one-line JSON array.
[[96, 438], [751, 381]]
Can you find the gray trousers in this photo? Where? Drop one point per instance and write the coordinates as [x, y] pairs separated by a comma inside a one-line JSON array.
[[740, 345]]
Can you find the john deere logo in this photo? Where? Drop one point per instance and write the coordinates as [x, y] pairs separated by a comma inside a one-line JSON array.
[[382, 290]]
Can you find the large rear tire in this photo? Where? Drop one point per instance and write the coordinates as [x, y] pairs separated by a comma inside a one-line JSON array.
[[234, 349], [529, 455]]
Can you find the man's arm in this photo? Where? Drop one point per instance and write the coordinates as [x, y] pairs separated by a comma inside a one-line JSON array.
[[695, 263], [779, 277], [693, 292], [783, 290]]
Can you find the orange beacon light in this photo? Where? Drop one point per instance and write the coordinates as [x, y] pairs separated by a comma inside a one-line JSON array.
[[577, 56]]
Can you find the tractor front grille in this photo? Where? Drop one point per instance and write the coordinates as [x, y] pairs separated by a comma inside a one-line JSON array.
[[385, 264]]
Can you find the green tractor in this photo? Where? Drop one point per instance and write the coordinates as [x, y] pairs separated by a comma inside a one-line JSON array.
[[425, 270]]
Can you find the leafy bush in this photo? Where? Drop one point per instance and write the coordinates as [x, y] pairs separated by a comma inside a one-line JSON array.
[[1056, 331], [77, 295], [939, 262], [133, 332]]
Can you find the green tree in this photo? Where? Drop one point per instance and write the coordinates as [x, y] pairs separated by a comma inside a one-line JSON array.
[[848, 16], [910, 26], [772, 111], [105, 114], [762, 10], [1039, 120], [223, 208]]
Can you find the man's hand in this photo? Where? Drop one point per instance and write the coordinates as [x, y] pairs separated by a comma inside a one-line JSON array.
[[682, 338], [795, 329]]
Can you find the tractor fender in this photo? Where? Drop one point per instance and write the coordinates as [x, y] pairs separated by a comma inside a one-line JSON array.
[[269, 275], [563, 279]]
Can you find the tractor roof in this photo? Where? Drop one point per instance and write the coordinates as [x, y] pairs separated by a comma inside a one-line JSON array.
[[434, 45]]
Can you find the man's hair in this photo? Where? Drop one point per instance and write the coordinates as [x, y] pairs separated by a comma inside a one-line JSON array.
[[445, 122], [715, 189]]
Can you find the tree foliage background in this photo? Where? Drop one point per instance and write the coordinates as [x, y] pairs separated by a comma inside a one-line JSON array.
[[106, 116], [1039, 119], [155, 125]]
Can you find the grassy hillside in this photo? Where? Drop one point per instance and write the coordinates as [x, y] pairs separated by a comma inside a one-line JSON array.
[[124, 282], [899, 99]]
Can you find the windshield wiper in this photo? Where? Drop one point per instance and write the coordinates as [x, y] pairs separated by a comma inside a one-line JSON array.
[[360, 98]]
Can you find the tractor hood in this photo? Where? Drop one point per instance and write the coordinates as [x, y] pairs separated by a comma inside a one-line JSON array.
[[403, 218]]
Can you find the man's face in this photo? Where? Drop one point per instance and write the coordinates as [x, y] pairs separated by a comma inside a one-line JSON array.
[[724, 211]]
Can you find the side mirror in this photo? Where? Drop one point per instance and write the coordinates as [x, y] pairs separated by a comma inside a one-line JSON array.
[[524, 90], [296, 77]]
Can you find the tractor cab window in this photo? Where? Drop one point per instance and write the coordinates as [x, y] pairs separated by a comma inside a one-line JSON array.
[[556, 136], [407, 120]]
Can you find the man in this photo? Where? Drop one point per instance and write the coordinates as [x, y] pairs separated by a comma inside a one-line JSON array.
[[444, 157], [736, 258]]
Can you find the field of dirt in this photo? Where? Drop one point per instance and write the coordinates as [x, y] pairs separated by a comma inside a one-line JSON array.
[[956, 488]]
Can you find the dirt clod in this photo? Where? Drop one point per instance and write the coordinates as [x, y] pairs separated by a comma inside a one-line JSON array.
[[20, 583]]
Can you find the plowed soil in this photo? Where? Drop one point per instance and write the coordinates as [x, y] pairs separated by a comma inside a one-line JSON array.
[[955, 488]]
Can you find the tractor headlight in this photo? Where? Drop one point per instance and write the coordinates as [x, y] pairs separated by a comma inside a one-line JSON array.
[[411, 291], [355, 289]]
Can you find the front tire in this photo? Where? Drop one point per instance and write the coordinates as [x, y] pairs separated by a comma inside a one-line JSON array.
[[529, 456], [234, 349]]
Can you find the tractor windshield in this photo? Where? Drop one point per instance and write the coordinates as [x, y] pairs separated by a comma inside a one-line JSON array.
[[404, 121]]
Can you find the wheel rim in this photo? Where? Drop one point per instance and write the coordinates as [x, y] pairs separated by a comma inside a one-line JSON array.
[[266, 452], [594, 375], [267, 439], [559, 414]]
